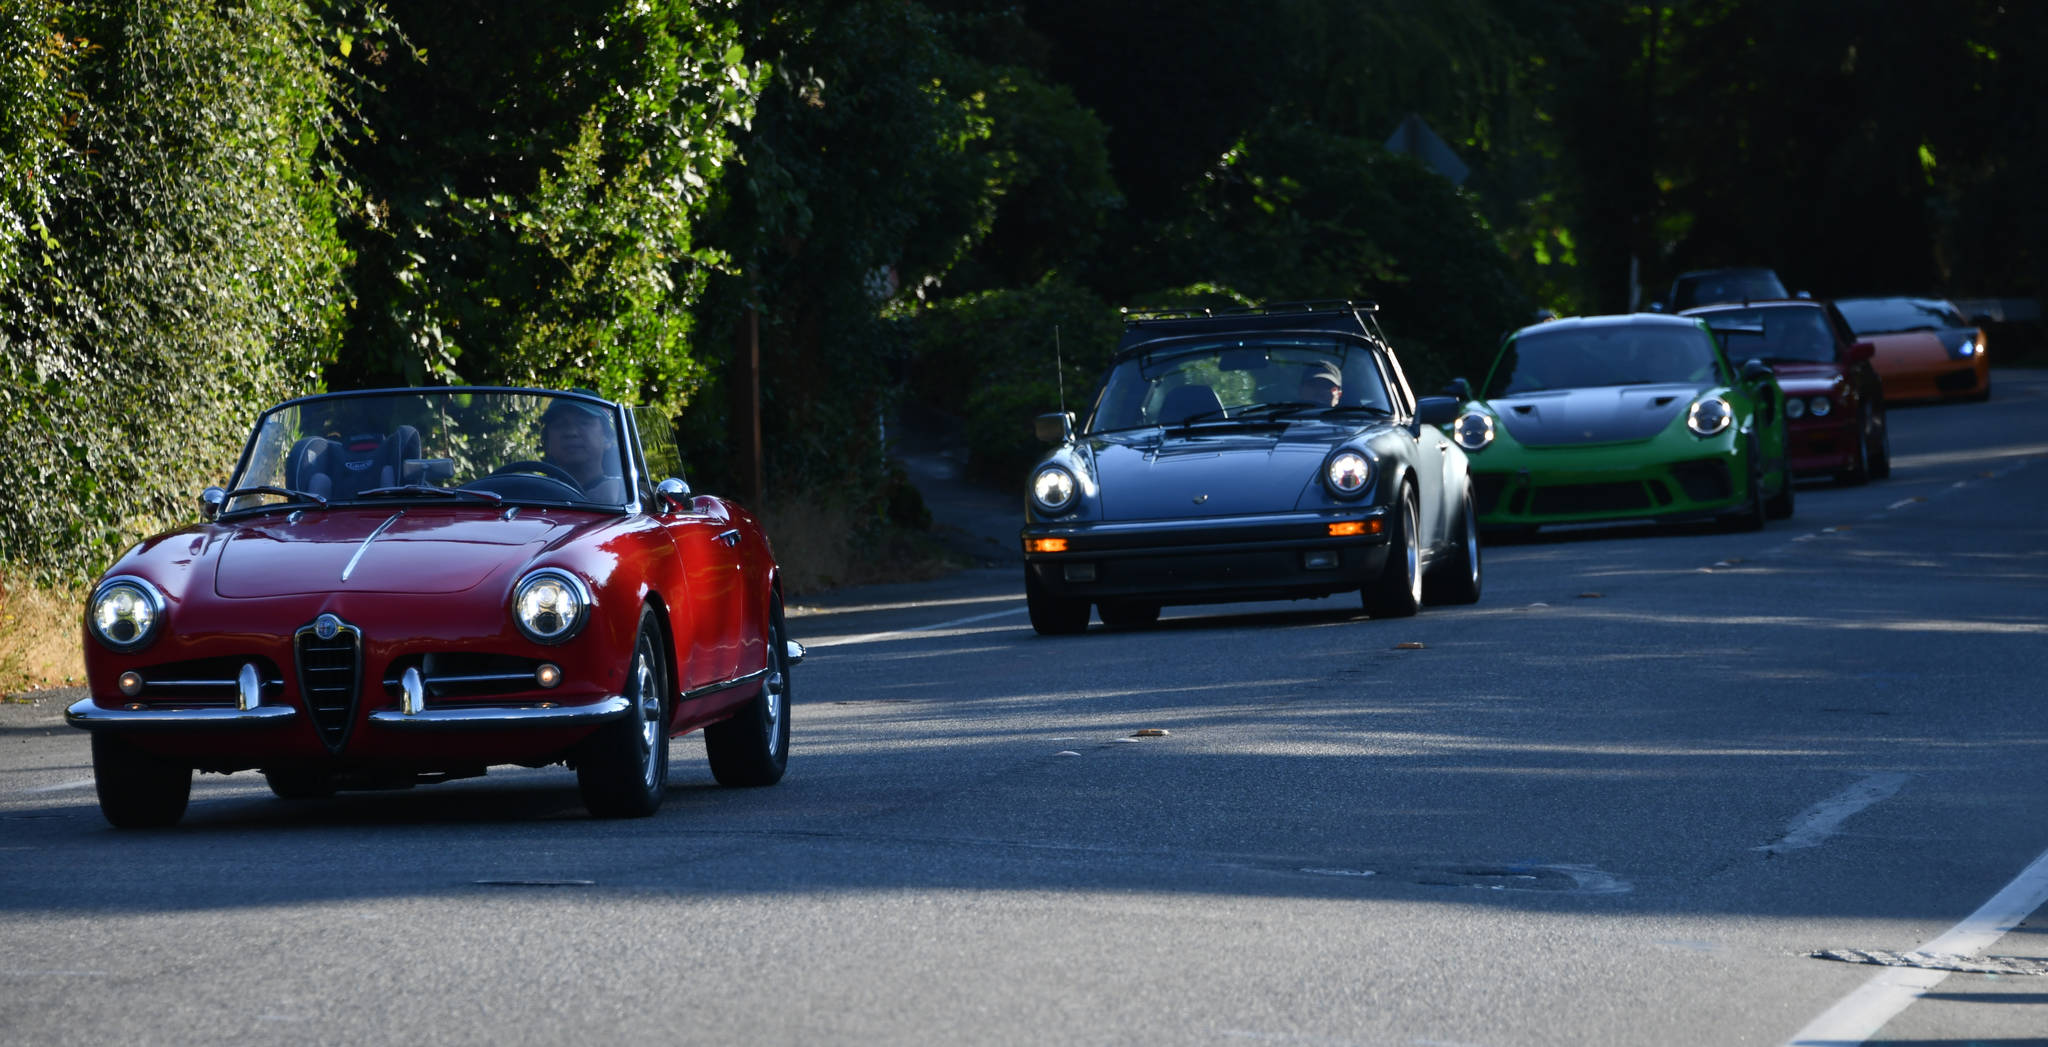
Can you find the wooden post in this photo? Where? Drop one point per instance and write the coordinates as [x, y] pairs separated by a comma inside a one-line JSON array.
[[745, 412]]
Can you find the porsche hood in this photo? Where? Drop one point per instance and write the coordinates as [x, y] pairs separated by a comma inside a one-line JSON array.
[[1605, 414], [1205, 473]]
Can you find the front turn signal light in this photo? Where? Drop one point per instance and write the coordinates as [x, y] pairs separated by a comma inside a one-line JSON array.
[[1045, 545]]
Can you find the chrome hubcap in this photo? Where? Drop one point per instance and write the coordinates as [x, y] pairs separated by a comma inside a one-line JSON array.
[[647, 706], [1414, 550], [772, 690]]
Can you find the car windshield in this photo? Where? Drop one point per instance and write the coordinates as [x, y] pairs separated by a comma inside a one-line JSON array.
[[1577, 357], [1886, 315], [466, 445], [1728, 285], [1792, 333], [1240, 379]]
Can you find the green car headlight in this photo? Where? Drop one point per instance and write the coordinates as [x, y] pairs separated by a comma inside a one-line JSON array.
[[1473, 430], [550, 605], [125, 613], [1710, 416]]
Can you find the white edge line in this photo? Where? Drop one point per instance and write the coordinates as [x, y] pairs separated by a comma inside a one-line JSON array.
[[61, 787], [848, 641], [1858, 1016]]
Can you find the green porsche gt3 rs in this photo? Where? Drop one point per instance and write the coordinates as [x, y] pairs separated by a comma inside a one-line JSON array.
[[1615, 418]]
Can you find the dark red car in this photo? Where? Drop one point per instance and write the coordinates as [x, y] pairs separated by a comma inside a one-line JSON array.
[[413, 585], [1834, 399]]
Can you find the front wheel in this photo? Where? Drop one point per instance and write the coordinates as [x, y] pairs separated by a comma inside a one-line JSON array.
[[752, 747], [1881, 453], [137, 789], [1751, 516], [1859, 472], [1457, 579], [1397, 592], [1053, 615], [623, 768], [1780, 505]]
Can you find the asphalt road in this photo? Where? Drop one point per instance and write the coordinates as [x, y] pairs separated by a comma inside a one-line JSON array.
[[1622, 800]]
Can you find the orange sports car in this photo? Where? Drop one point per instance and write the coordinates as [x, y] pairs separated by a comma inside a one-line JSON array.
[[1925, 349]]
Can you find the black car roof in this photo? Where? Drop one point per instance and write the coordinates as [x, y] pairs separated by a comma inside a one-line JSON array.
[[1143, 327]]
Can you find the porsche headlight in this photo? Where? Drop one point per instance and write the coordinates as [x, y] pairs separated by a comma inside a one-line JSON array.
[[1473, 430], [1710, 416], [1347, 473], [126, 613], [1053, 489], [1819, 407], [550, 605]]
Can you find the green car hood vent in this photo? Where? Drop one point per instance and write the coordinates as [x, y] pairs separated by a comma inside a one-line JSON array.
[[1602, 415]]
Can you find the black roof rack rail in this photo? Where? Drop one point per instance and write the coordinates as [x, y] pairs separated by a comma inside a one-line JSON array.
[[1142, 314]]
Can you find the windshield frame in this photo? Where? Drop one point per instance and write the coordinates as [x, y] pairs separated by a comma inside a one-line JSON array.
[[1694, 327], [1236, 358]]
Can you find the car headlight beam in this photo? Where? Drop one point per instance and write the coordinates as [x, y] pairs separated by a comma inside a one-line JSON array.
[[1709, 416], [550, 605], [1053, 489], [1347, 473], [126, 613]]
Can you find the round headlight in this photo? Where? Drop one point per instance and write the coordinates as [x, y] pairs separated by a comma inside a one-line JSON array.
[[1710, 416], [125, 613], [1473, 430], [1795, 407], [1347, 473], [1053, 489], [550, 605], [1819, 408]]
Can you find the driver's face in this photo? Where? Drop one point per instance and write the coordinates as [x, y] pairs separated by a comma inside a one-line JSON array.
[[1320, 391], [575, 441]]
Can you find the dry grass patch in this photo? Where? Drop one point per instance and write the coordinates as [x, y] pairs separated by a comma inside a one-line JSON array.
[[39, 636]]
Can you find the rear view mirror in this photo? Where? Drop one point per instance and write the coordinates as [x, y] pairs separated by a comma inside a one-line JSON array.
[[1056, 427], [1437, 410], [1756, 371]]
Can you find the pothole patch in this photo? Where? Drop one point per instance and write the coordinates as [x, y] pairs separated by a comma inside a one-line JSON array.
[[1938, 961]]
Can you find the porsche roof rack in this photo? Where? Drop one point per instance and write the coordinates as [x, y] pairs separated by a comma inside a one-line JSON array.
[[1142, 314]]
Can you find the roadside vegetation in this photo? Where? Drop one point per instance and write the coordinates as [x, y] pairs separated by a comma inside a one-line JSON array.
[[208, 206]]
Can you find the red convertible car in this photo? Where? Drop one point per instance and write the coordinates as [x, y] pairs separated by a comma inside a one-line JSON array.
[[413, 585]]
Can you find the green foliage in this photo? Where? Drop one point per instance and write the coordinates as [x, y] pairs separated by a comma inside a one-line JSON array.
[[533, 177], [988, 358], [37, 64], [185, 269]]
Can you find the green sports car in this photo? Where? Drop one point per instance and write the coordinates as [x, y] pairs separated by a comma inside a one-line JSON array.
[[1614, 418]]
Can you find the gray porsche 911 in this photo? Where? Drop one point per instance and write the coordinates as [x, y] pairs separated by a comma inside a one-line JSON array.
[[1274, 452]]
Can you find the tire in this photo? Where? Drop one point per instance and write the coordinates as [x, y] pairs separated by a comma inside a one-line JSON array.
[[1780, 505], [1053, 615], [1858, 472], [1881, 457], [1457, 580], [752, 747], [1751, 516], [299, 785], [1128, 615], [137, 789], [622, 768], [1397, 592]]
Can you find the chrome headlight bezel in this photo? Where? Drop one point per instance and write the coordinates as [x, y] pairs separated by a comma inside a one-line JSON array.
[[1820, 406], [1709, 416], [1476, 436], [1054, 489], [143, 610], [1795, 407], [1347, 473], [537, 606]]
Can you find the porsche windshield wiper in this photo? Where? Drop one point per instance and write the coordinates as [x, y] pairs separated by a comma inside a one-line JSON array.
[[1249, 414], [446, 492]]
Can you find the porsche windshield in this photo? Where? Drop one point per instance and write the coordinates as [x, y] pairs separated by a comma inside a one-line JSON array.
[[489, 446], [1239, 380], [1581, 356]]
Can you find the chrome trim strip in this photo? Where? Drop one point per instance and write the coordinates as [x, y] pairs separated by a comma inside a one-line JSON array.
[[491, 717], [412, 696], [84, 714], [727, 685], [438, 679], [365, 547]]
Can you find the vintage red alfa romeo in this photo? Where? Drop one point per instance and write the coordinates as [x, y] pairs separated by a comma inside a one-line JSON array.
[[413, 585]]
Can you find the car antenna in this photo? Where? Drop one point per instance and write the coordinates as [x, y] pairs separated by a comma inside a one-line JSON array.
[[1059, 367]]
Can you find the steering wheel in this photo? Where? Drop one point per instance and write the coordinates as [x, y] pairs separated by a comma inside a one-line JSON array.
[[532, 465]]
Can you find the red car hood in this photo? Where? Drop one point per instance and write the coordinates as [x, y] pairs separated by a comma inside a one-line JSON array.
[[375, 551]]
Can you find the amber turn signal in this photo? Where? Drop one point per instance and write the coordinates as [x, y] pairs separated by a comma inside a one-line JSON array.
[[1352, 528], [1045, 545]]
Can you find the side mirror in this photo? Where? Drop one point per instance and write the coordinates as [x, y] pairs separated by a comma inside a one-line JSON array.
[[1056, 427], [1658, 307], [1861, 352], [210, 502], [1437, 410], [673, 494], [1754, 371], [1459, 388]]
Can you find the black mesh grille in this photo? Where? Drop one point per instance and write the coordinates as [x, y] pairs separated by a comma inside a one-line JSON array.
[[330, 672], [1590, 498]]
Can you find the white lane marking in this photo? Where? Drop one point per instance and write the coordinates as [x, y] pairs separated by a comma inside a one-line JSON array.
[[1825, 818], [848, 641], [58, 788], [1860, 1015]]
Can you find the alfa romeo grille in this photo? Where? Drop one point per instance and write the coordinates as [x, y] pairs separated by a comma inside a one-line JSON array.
[[330, 657]]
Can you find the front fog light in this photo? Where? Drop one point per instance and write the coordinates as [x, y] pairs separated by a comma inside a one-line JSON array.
[[550, 606]]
